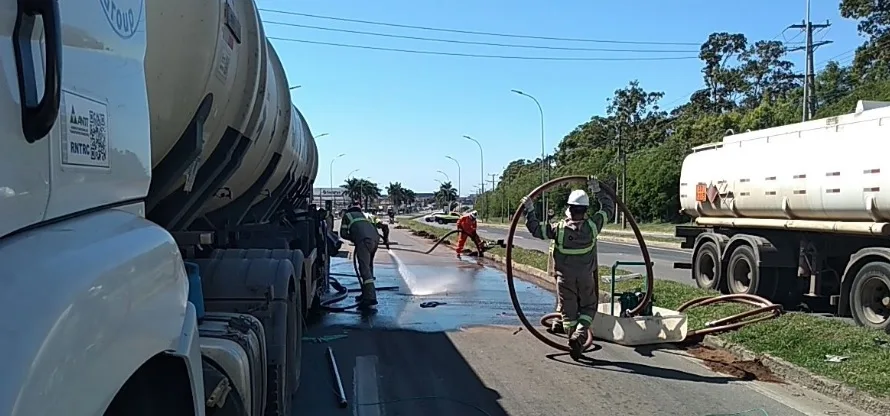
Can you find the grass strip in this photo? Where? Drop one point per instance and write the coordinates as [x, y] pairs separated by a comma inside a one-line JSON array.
[[803, 340]]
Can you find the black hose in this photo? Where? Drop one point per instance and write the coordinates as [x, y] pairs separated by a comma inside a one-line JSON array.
[[511, 285], [343, 292], [439, 241]]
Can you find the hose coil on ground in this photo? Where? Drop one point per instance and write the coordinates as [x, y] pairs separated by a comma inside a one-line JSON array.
[[534, 194]]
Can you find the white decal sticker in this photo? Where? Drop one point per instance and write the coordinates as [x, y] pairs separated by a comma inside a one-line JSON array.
[[84, 131], [224, 54]]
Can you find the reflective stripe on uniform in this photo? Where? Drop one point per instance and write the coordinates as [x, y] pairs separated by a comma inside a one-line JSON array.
[[585, 319], [559, 243], [353, 218], [368, 281], [569, 325]]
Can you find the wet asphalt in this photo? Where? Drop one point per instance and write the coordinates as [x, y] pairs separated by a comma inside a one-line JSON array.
[[467, 356], [663, 259]]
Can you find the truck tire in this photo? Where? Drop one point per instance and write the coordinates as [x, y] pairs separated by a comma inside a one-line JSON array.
[[232, 404], [296, 258], [743, 274], [706, 268], [267, 289], [870, 296]]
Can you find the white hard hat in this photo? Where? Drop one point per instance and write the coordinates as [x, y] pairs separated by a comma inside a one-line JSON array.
[[473, 213], [579, 197]]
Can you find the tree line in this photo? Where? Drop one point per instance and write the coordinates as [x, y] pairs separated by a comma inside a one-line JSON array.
[[748, 85], [366, 191]]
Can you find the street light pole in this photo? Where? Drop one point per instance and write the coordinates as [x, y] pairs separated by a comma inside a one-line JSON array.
[[350, 174], [481, 172], [543, 151], [458, 181], [331, 171], [316, 137], [447, 178], [295, 87]]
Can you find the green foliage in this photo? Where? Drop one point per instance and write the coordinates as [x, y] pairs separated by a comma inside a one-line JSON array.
[[748, 85]]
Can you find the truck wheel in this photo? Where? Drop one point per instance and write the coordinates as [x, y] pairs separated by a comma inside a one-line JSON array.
[[706, 266], [295, 301], [870, 296], [743, 275]]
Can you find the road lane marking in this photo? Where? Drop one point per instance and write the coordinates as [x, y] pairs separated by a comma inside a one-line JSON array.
[[366, 391]]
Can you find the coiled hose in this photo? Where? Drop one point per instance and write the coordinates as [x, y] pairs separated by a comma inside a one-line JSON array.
[[511, 285], [761, 305]]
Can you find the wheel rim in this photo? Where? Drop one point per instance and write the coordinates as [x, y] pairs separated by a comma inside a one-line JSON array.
[[740, 275], [875, 305], [706, 269]]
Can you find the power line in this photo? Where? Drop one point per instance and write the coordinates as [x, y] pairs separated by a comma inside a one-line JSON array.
[[465, 42], [473, 55], [472, 32]]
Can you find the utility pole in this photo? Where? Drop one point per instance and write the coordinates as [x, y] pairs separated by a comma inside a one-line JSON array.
[[809, 83], [489, 197], [622, 153]]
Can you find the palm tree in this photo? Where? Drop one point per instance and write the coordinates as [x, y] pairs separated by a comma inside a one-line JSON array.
[[446, 194], [353, 188], [396, 194], [410, 197]]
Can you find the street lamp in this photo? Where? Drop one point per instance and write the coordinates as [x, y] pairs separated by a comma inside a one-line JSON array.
[[350, 173], [481, 170], [319, 136], [458, 180], [543, 152], [444, 174], [331, 170], [294, 87]]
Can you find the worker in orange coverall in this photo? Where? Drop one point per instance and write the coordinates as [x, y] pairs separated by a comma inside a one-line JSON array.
[[467, 227]]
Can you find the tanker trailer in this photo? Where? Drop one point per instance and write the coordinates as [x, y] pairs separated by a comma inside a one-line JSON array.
[[797, 212], [222, 201]]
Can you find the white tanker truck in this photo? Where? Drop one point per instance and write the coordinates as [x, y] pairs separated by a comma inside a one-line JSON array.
[[158, 242], [796, 211]]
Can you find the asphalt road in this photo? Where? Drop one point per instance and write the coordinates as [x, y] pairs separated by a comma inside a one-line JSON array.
[[467, 357], [609, 252]]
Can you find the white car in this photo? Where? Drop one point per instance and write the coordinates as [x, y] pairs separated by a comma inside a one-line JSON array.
[[432, 216]]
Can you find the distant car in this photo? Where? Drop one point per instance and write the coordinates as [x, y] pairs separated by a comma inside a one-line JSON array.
[[432, 216], [448, 218]]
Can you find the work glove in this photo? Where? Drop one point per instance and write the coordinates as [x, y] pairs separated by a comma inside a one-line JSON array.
[[528, 204], [593, 185]]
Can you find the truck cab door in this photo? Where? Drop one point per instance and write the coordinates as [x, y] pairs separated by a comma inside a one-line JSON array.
[[28, 109], [102, 154]]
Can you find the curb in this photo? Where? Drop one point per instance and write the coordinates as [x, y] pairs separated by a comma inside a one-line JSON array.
[[789, 372], [802, 377]]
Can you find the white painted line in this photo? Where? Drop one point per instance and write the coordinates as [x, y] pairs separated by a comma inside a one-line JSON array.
[[366, 390]]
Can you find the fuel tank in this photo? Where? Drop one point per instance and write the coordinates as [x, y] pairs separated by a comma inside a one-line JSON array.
[[270, 137], [210, 61], [197, 50], [831, 169]]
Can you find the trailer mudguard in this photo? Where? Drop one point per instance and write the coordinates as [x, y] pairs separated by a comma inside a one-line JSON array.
[[87, 302]]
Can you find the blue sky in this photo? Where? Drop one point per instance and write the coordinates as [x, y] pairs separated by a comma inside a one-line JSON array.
[[397, 115]]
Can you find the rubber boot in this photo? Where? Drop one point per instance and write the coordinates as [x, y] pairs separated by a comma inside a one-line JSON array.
[[556, 327], [368, 297], [577, 341]]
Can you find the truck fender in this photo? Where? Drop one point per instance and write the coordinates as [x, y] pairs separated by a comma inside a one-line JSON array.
[[766, 254], [719, 239], [857, 260], [87, 303]]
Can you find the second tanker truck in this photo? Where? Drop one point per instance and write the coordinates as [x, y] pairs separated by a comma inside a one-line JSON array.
[[797, 211], [158, 241]]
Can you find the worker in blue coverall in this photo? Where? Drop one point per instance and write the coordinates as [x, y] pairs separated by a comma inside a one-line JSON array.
[[575, 266]]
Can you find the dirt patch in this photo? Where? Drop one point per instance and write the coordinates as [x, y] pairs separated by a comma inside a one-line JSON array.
[[725, 362]]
